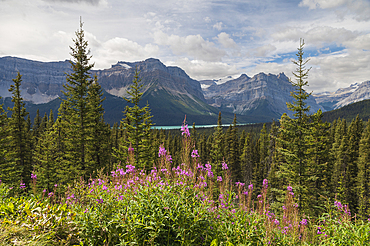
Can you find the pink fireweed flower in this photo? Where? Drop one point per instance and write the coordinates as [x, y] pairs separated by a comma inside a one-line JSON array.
[[130, 168], [208, 167], [162, 151], [338, 205], [22, 186], [250, 187], [50, 194], [44, 191], [303, 222], [56, 185], [276, 222], [265, 183], [219, 179], [100, 201], [224, 166], [194, 154], [289, 188], [33, 176], [185, 130]]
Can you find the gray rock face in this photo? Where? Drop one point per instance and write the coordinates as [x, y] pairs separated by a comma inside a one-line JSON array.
[[362, 92], [41, 81], [244, 94], [344, 96], [153, 73]]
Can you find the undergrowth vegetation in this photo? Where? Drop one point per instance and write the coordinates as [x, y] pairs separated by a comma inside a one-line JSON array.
[[183, 205]]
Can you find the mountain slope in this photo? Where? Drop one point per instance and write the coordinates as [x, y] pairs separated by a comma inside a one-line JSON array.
[[344, 96], [41, 81], [350, 112], [263, 94]]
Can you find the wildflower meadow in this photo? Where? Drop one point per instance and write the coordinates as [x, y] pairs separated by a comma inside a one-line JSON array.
[[169, 204]]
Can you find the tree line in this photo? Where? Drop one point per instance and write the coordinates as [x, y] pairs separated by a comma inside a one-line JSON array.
[[319, 160]]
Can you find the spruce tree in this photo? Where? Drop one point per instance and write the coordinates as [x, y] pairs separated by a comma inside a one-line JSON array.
[[363, 178], [8, 171], [49, 155], [318, 165], [74, 118], [217, 147], [246, 160], [97, 144], [234, 153], [19, 153], [137, 124], [36, 125], [294, 169], [354, 132]]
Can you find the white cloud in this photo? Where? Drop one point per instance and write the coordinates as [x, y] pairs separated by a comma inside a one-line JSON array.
[[226, 41], [360, 8], [191, 45], [360, 42], [121, 49], [92, 2], [324, 4], [317, 36], [201, 70], [264, 50], [218, 26]]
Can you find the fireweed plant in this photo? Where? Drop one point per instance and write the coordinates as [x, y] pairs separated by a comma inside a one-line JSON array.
[[169, 204]]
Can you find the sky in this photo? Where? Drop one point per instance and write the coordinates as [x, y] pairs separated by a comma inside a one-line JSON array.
[[208, 39]]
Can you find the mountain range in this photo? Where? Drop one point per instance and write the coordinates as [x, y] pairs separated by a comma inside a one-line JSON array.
[[344, 96], [169, 91], [263, 94]]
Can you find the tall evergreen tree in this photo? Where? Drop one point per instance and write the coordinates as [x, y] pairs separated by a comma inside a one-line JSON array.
[[246, 160], [80, 121], [36, 125], [97, 145], [75, 107], [217, 147], [232, 151], [354, 132], [19, 153], [49, 154], [363, 178], [137, 124], [7, 169], [293, 137], [318, 169]]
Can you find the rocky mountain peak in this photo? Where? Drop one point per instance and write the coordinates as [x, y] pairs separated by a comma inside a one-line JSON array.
[[282, 76], [262, 93], [244, 76]]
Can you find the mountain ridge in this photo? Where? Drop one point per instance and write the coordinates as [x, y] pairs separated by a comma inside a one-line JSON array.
[[171, 92]]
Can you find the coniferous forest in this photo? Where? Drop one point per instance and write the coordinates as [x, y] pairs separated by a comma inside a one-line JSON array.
[[297, 181]]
